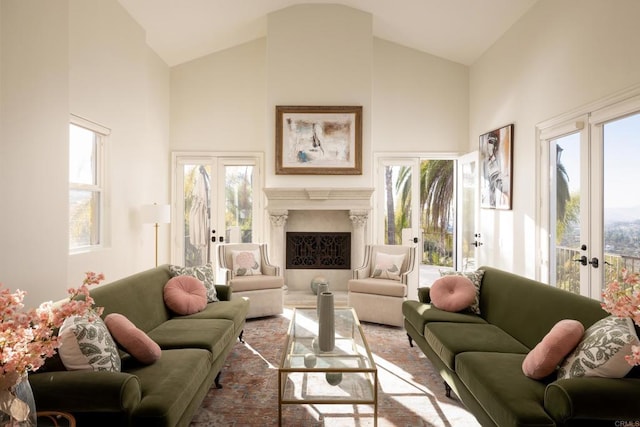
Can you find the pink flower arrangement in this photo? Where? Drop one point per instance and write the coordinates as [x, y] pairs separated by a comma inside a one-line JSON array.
[[28, 338], [624, 301]]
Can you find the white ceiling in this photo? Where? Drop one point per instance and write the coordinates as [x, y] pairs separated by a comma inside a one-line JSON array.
[[458, 30]]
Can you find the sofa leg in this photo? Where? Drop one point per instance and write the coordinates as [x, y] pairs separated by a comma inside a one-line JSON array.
[[240, 337], [217, 381], [410, 340], [447, 389]]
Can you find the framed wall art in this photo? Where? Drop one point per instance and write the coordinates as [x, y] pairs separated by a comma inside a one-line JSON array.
[[496, 159], [319, 140]]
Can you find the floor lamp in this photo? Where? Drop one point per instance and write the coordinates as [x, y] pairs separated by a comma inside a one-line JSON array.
[[156, 214]]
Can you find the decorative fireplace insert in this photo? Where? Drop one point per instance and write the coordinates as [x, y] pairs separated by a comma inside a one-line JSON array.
[[318, 250]]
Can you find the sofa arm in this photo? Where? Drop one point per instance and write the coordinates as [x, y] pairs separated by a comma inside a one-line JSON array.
[[586, 398], [223, 292], [423, 295], [85, 391]]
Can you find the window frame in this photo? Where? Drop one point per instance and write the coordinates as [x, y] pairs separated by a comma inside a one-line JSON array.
[[101, 134]]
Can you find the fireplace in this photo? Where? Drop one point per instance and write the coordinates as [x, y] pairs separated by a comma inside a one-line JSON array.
[[318, 250], [318, 210]]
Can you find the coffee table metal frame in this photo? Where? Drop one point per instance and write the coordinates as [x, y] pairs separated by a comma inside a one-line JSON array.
[[306, 374]]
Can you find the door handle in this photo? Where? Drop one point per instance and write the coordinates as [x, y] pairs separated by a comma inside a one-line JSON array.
[[583, 260], [594, 262], [415, 240]]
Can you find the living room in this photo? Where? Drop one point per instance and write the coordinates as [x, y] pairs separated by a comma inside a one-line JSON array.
[[91, 59], [67, 58]]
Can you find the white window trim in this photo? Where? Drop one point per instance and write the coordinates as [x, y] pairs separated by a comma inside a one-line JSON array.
[[101, 186]]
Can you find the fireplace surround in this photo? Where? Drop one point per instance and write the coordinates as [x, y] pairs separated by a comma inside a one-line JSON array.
[[318, 210]]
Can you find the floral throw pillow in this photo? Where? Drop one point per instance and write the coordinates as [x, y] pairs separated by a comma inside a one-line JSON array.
[[246, 263], [602, 351], [204, 273], [87, 345], [476, 278], [387, 266]]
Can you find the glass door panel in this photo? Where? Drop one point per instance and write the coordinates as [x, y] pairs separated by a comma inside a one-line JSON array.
[[195, 213], [468, 237], [621, 221], [567, 245], [238, 203]]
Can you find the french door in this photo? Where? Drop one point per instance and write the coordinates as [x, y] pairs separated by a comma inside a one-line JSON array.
[[592, 211], [416, 205], [215, 200]]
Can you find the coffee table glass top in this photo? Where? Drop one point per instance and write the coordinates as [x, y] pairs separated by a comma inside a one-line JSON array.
[[347, 374]]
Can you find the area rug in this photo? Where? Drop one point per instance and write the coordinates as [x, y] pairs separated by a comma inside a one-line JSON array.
[[410, 392]]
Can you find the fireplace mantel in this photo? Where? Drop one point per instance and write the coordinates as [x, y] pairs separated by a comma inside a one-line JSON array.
[[283, 202], [318, 198]]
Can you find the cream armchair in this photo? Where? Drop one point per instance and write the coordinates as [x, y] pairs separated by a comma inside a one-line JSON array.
[[379, 287], [247, 270]]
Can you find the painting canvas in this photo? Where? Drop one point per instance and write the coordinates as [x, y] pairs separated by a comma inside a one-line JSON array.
[[319, 140], [496, 156]]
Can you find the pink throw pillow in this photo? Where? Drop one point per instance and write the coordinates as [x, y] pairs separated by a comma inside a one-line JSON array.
[[132, 339], [185, 295], [452, 293], [554, 347]]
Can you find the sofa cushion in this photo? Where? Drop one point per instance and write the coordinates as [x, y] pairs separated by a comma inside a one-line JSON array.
[[476, 278], [246, 263], [252, 283], [554, 347], [602, 351], [169, 386], [235, 310], [131, 339], [496, 381], [85, 344], [208, 334], [387, 266], [419, 314], [203, 272], [452, 293], [386, 287], [450, 339], [185, 295]]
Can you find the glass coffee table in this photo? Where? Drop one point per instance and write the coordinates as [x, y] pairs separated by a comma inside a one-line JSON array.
[[346, 375]]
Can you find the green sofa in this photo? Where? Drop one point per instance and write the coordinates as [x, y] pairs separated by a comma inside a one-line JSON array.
[[166, 393], [480, 356]]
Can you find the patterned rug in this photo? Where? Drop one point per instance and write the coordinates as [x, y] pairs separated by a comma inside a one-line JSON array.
[[410, 392]]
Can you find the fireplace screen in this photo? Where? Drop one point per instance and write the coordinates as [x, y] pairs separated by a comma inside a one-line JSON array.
[[330, 251]]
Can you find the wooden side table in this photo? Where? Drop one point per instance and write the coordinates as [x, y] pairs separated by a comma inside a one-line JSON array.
[[56, 419]]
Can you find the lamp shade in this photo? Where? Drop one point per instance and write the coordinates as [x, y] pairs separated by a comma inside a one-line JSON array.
[[156, 214]]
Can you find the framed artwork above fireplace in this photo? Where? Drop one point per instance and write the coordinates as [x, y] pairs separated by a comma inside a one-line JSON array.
[[318, 140]]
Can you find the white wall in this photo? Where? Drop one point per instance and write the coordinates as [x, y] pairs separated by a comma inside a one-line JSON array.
[[420, 102], [558, 57], [86, 57], [33, 147]]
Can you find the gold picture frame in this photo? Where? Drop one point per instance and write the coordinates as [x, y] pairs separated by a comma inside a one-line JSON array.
[[318, 140]]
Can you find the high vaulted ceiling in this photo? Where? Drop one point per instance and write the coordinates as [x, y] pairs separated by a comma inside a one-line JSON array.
[[458, 30]]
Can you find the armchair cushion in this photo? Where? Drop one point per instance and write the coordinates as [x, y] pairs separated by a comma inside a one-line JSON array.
[[385, 287], [246, 263], [388, 266], [253, 283]]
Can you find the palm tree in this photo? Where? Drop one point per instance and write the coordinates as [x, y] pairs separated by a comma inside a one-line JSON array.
[[388, 186]]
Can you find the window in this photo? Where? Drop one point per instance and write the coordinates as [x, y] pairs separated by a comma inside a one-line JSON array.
[[86, 187]]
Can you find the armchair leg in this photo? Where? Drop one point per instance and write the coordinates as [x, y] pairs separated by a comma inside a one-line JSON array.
[[410, 340], [240, 336]]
